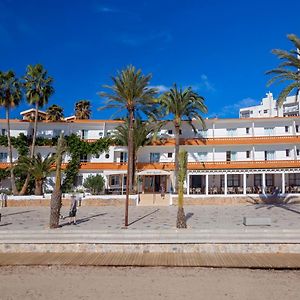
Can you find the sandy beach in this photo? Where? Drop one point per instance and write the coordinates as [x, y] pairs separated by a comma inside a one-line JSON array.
[[59, 282]]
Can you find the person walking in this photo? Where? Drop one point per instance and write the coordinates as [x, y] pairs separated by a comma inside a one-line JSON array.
[[73, 210]]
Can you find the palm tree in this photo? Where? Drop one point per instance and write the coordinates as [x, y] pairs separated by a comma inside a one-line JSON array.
[[288, 70], [38, 168], [181, 221], [130, 93], [54, 113], [56, 195], [182, 105], [10, 96], [38, 86], [83, 110], [143, 134]]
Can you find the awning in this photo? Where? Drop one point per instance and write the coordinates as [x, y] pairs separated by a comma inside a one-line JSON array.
[[154, 172], [117, 172]]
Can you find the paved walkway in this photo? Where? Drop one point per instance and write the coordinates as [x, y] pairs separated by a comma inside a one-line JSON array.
[[222, 260], [285, 217]]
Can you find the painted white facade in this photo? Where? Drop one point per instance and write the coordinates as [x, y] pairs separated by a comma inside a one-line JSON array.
[[268, 108]]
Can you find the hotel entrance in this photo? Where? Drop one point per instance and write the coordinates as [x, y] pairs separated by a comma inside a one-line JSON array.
[[154, 183]]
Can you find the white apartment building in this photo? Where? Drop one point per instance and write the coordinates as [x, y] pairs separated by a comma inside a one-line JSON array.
[[268, 108], [231, 156]]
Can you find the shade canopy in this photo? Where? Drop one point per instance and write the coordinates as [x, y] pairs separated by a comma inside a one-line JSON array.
[[153, 172]]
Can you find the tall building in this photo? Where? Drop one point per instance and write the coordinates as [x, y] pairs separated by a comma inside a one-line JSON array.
[[268, 108]]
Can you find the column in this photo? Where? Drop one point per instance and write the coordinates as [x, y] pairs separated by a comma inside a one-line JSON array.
[[188, 183], [283, 183], [244, 183], [263, 183], [295, 152], [253, 129], [213, 153], [225, 184], [122, 184], [206, 184]]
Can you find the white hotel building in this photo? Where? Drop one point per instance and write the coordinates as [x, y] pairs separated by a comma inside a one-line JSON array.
[[232, 156]]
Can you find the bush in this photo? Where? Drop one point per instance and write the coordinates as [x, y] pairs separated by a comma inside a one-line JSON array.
[[94, 184]]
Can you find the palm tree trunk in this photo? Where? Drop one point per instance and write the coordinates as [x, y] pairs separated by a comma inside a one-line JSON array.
[[12, 175], [129, 164], [24, 188], [55, 204], [132, 188], [177, 130], [181, 221], [38, 191]]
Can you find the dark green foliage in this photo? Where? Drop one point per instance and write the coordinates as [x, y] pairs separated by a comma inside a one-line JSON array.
[[4, 173], [94, 184]]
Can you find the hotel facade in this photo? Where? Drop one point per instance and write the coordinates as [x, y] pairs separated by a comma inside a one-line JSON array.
[[245, 156]]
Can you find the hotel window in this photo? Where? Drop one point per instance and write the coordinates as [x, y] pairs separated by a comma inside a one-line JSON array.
[[170, 131], [257, 179], [3, 156], [269, 179], [170, 155], [123, 157], [154, 157], [101, 133], [107, 156], [248, 152], [298, 152], [294, 179], [233, 180], [202, 156], [84, 134], [228, 155], [286, 128], [269, 131], [83, 158], [287, 152], [247, 130], [297, 128], [231, 131], [3, 132], [78, 180], [269, 155], [265, 111], [114, 180], [180, 131]]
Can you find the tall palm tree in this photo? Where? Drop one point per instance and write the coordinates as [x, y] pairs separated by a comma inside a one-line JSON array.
[[56, 195], [37, 167], [182, 105], [38, 87], [130, 93], [10, 96], [143, 134], [83, 110], [54, 113], [287, 71]]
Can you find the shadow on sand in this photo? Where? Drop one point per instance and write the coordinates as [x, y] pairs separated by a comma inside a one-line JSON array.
[[18, 213], [82, 220], [143, 217]]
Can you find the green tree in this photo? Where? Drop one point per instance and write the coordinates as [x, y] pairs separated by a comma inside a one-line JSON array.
[[181, 105], [54, 113], [10, 97], [38, 87], [288, 70], [130, 93], [55, 204], [83, 110], [143, 134], [38, 168], [181, 220], [94, 183]]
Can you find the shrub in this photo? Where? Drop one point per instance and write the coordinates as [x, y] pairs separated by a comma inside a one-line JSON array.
[[94, 184]]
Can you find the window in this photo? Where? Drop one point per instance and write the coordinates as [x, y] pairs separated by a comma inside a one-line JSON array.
[[180, 131], [123, 157], [269, 179], [247, 130], [297, 128], [233, 180], [170, 131], [248, 152], [294, 179], [298, 152], [3, 132], [154, 157], [170, 155], [84, 134], [202, 156], [231, 131], [257, 179], [114, 180], [78, 180], [286, 128], [269, 131], [97, 155], [83, 158], [202, 133], [287, 152], [107, 156], [269, 155], [3, 156], [101, 133], [265, 111]]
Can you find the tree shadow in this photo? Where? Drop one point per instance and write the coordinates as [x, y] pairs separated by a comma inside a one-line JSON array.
[[82, 220], [188, 216], [276, 200], [143, 217], [5, 224], [17, 213]]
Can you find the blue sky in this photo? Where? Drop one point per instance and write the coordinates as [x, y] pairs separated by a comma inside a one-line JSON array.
[[220, 48]]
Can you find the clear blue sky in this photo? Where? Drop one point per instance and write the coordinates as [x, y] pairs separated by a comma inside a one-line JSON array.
[[221, 48]]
